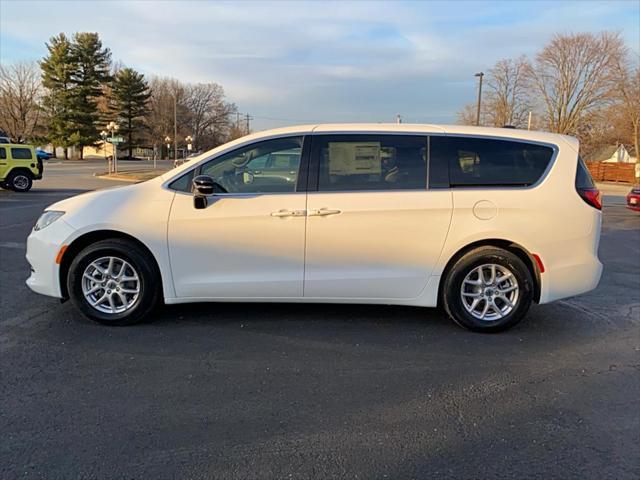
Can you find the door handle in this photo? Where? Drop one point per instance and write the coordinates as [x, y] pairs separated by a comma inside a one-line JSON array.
[[289, 213], [323, 212]]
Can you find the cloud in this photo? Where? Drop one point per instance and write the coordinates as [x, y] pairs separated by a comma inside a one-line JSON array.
[[316, 61]]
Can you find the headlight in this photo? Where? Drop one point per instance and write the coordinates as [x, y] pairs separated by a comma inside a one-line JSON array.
[[47, 218]]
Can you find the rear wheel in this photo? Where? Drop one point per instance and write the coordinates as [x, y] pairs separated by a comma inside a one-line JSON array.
[[20, 181], [114, 282], [488, 290]]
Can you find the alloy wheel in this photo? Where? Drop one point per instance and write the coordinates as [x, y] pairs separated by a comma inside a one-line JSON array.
[[111, 285], [490, 292]]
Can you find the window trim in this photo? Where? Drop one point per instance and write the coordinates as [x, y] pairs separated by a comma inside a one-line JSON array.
[[301, 184], [314, 161], [543, 176], [310, 167]]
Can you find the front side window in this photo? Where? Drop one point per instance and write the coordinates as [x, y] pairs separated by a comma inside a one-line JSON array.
[[263, 167], [21, 153], [370, 162], [490, 162]]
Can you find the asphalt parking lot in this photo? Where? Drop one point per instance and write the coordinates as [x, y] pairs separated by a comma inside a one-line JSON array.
[[317, 391]]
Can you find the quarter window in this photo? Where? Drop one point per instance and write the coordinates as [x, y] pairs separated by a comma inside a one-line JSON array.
[[370, 162], [490, 162], [3, 153], [21, 154]]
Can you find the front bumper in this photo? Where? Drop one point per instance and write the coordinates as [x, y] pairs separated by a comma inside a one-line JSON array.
[[42, 248]]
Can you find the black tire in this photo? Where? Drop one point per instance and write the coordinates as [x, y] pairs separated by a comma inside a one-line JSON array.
[[452, 290], [20, 181], [138, 258]]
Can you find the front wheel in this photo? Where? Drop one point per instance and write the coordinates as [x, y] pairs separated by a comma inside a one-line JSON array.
[[113, 282], [488, 290]]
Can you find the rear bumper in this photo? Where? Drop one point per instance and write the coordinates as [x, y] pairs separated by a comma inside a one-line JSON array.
[[42, 248], [570, 280], [574, 267]]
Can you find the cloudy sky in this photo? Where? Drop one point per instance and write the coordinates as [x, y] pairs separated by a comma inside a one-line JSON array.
[[318, 61]]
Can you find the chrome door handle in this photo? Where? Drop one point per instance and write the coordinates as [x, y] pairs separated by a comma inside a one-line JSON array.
[[323, 212], [289, 213]]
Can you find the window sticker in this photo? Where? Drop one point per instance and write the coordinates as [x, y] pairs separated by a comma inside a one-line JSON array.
[[354, 158]]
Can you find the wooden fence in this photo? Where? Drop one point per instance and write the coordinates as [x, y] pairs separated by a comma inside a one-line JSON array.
[[612, 172]]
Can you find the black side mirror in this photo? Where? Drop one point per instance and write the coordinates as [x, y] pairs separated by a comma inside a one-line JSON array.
[[201, 187]]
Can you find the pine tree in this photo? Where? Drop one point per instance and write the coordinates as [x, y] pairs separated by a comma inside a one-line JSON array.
[[57, 79], [130, 99], [91, 71]]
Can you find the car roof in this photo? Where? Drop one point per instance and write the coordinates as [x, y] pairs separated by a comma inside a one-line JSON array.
[[532, 135]]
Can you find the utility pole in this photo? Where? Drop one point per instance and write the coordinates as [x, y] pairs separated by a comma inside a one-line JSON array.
[[479, 75], [237, 119], [247, 119], [529, 121]]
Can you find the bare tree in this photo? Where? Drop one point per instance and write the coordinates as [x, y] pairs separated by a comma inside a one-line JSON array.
[[467, 115], [161, 111], [208, 114], [627, 91], [506, 99], [20, 91], [574, 74]]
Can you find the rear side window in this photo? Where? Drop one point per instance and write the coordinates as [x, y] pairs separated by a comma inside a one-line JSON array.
[[21, 153], [583, 177], [475, 162], [3, 153], [370, 162]]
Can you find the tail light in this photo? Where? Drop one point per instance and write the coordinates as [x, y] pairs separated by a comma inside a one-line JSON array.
[[592, 196], [585, 186]]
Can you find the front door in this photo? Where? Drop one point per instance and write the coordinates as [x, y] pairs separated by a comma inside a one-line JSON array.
[[373, 229], [249, 241]]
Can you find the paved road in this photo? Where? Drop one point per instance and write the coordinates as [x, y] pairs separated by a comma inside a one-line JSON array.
[[318, 391]]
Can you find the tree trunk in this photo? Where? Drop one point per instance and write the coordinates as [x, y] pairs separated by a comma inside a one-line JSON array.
[[81, 153], [55, 153], [66, 153]]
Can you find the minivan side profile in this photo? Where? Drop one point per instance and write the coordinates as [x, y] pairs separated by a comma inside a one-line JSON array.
[[481, 221]]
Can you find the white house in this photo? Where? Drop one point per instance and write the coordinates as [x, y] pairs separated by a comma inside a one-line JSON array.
[[612, 154]]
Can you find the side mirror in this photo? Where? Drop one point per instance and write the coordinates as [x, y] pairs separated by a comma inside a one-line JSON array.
[[202, 186]]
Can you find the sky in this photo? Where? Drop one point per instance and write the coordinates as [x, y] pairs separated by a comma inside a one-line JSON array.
[[292, 62]]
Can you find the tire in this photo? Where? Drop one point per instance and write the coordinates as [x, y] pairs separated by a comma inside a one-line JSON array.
[[507, 298], [20, 181], [131, 270]]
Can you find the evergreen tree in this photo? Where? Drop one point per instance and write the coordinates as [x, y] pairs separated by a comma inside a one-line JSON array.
[[130, 99], [91, 71], [57, 79]]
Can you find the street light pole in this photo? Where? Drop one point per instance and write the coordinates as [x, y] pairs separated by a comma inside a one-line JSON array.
[[167, 140], [479, 75], [113, 128], [103, 135], [175, 129]]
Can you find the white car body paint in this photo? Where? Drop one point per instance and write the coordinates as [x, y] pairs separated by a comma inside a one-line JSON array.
[[382, 247]]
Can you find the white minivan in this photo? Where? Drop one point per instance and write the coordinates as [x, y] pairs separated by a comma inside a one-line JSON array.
[[482, 221]]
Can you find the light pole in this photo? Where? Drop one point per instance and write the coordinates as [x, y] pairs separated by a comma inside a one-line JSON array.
[[175, 128], [103, 135], [113, 127], [189, 141], [167, 140], [479, 75]]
